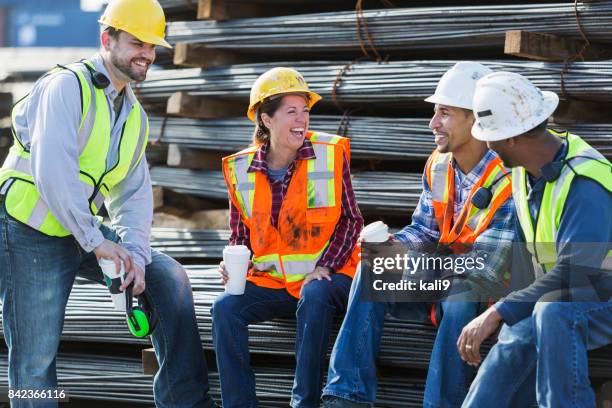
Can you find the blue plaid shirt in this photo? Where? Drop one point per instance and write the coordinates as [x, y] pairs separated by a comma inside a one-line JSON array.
[[496, 241]]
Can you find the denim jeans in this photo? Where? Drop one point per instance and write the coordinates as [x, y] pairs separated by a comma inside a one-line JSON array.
[[36, 276], [545, 357], [352, 368], [314, 313]]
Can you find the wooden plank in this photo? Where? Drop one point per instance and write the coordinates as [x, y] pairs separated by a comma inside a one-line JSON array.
[[199, 55], [604, 395], [202, 107], [576, 111], [6, 104], [149, 361], [547, 47], [229, 9], [190, 158], [158, 197], [168, 217]]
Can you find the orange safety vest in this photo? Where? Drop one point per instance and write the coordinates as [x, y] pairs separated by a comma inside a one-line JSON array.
[[311, 208], [459, 234]]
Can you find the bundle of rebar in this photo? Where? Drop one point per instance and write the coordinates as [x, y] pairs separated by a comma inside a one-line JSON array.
[[383, 30], [119, 379], [200, 183], [371, 137], [179, 6], [396, 84], [90, 317], [375, 191], [194, 244]]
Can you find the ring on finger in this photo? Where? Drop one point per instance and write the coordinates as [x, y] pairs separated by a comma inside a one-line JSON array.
[[468, 346]]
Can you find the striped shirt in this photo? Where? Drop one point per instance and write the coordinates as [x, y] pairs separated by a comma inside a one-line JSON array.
[[349, 225], [423, 233]]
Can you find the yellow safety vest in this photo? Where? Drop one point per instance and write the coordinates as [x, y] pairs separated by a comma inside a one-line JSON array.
[[22, 199], [541, 237]]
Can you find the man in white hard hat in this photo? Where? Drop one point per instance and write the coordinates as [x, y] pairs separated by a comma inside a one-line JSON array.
[[80, 137], [450, 220], [562, 193]]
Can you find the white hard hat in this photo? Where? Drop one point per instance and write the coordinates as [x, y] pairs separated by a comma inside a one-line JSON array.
[[456, 87], [507, 105]]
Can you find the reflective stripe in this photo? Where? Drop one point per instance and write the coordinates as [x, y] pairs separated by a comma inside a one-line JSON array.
[[18, 163], [142, 136], [560, 184], [439, 177], [98, 200], [39, 213], [87, 124], [299, 267], [324, 137], [244, 181], [6, 186], [321, 188], [519, 193], [245, 186], [320, 175], [269, 264]]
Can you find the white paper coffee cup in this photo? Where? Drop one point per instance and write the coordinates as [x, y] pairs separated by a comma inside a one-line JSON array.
[[113, 282], [236, 258], [377, 231]]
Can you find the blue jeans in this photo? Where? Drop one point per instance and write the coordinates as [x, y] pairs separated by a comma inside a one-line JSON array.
[[352, 368], [36, 276], [314, 313], [545, 357]]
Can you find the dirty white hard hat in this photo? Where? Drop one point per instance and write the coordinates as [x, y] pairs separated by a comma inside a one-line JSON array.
[[507, 105], [456, 87]]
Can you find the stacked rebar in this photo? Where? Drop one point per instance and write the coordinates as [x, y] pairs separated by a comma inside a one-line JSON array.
[[375, 191], [391, 29], [120, 379], [397, 84], [90, 317], [179, 6], [194, 244], [371, 137], [200, 183]]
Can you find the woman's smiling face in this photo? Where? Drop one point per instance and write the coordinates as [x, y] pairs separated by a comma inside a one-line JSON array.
[[289, 124]]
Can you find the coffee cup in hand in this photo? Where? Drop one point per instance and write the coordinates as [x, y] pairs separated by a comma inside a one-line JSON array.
[[236, 259]]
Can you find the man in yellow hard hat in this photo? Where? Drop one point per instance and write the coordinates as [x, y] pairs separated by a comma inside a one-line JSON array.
[[80, 137]]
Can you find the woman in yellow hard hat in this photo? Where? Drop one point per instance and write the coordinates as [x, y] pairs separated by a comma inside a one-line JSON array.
[[293, 206]]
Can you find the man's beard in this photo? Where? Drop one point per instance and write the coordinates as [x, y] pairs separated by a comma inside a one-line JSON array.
[[127, 70]]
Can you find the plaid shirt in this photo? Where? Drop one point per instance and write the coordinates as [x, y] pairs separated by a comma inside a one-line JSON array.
[[349, 225], [495, 241]]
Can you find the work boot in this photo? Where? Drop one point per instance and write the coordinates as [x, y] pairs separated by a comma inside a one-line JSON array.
[[337, 402]]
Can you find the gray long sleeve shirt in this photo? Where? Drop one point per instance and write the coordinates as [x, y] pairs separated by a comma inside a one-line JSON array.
[[48, 124]]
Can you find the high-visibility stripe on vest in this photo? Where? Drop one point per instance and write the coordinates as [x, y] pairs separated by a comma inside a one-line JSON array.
[[283, 256], [23, 201], [461, 232], [541, 238]]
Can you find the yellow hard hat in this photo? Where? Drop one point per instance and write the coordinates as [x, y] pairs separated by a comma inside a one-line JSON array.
[[144, 19], [277, 81]]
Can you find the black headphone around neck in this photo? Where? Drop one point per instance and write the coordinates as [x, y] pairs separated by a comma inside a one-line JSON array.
[[98, 79], [552, 170], [482, 197]]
